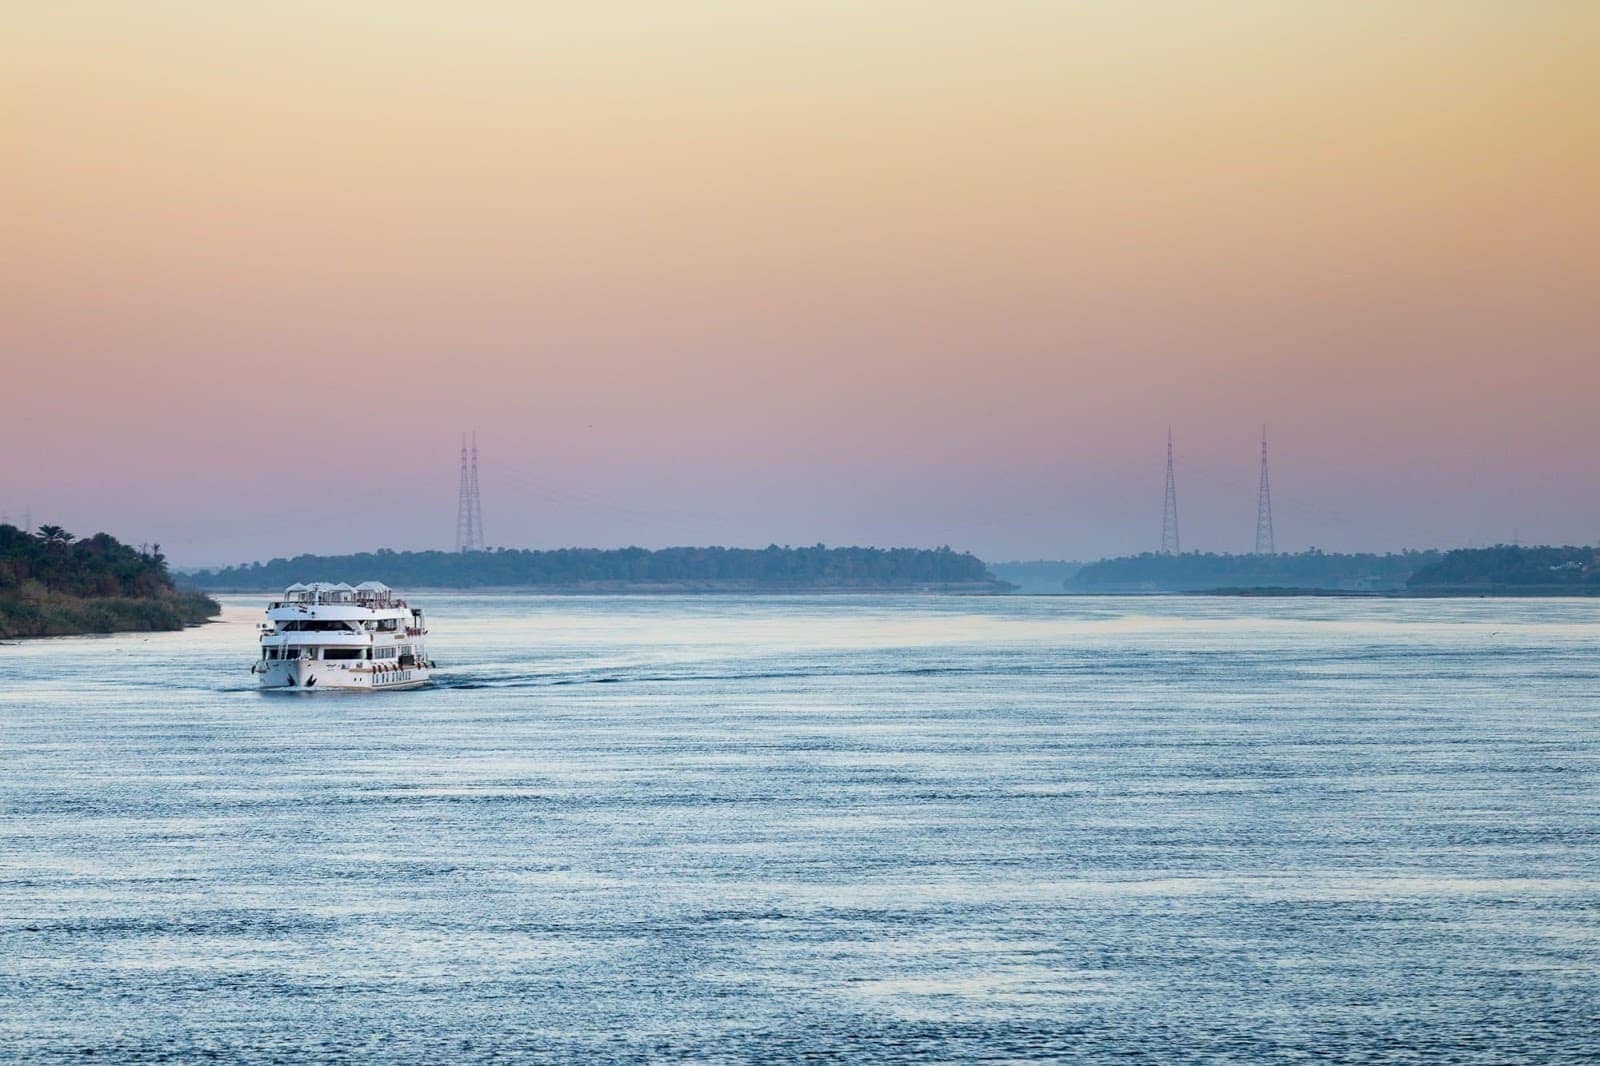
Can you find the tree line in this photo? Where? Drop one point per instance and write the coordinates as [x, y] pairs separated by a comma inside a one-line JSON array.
[[1510, 569], [1501, 570], [97, 566], [1206, 571], [773, 567]]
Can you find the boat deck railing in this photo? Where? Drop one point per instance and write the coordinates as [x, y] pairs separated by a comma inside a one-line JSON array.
[[370, 602]]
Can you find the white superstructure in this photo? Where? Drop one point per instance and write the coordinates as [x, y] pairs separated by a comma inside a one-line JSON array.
[[323, 636]]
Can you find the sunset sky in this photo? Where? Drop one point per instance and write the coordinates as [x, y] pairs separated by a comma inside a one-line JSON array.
[[880, 273]]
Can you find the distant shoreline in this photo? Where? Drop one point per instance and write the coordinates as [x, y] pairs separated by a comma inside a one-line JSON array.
[[1510, 571], [657, 588], [961, 590], [1507, 571], [955, 589], [817, 568], [1530, 593], [1556, 592]]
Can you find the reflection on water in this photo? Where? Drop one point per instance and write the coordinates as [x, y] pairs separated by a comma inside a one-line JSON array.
[[864, 827]]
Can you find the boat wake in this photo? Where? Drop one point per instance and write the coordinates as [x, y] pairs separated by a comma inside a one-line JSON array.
[[471, 680]]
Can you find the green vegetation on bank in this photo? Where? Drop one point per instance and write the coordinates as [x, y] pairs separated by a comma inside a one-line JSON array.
[[1504, 570], [52, 584], [1208, 572], [1509, 570], [593, 569]]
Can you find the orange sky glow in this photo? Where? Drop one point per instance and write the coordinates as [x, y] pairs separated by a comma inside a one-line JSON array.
[[892, 273]]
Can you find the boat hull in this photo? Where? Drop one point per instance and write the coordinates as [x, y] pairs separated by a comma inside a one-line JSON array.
[[311, 675]]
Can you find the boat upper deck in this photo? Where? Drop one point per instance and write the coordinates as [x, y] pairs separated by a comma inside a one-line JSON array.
[[337, 612], [372, 595]]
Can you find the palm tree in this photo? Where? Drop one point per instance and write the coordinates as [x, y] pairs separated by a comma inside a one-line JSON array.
[[54, 535]]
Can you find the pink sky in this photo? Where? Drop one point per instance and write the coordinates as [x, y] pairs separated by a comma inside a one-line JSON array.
[[906, 273]]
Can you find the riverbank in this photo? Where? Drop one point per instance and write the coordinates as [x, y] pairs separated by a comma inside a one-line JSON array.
[[53, 584], [689, 588], [54, 615]]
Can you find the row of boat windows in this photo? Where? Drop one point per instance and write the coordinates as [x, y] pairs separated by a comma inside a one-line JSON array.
[[321, 625], [291, 652]]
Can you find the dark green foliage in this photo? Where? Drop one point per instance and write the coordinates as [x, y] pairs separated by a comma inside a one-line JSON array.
[[52, 584], [1203, 572], [1509, 570], [99, 565], [733, 568]]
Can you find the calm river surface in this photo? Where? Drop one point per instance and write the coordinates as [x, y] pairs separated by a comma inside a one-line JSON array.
[[865, 828]]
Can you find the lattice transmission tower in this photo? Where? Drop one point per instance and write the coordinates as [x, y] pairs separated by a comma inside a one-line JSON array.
[[1265, 545], [469, 503], [477, 497], [1169, 509]]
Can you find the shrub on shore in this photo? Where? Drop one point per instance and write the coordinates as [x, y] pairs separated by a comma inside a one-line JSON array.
[[57, 616]]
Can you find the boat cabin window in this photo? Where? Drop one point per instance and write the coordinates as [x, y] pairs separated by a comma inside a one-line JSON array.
[[342, 653], [314, 625]]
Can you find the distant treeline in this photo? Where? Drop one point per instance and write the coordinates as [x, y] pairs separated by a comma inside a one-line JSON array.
[[1509, 570], [1206, 572], [774, 568], [53, 584]]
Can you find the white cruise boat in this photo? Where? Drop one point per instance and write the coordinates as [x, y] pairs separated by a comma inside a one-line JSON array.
[[323, 636]]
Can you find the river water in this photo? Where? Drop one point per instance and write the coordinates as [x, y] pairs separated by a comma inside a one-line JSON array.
[[875, 828]]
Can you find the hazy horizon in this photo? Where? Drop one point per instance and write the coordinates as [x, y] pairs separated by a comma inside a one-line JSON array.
[[898, 274]]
